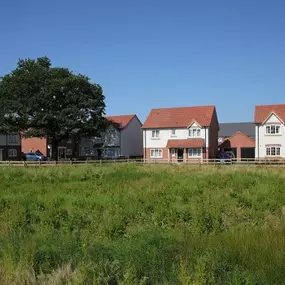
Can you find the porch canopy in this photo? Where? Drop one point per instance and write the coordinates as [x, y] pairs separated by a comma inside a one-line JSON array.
[[188, 143]]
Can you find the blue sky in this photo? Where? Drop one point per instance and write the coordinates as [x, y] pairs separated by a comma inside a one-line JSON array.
[[157, 53]]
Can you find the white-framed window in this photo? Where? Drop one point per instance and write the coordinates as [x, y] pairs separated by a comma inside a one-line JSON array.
[[194, 152], [12, 152], [173, 133], [156, 153], [12, 138], [155, 134], [172, 152], [273, 130], [194, 132], [273, 151]]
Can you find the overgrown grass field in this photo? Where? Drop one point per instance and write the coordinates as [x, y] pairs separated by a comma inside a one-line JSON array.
[[129, 225]]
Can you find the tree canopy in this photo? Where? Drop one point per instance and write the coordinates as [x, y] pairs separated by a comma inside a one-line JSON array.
[[39, 100]]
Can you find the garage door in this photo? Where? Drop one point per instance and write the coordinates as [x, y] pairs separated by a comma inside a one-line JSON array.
[[248, 152]]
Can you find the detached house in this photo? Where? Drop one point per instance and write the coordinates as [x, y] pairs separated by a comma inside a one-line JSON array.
[[181, 134], [270, 131]]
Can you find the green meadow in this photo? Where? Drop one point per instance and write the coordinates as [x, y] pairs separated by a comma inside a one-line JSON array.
[[142, 224]]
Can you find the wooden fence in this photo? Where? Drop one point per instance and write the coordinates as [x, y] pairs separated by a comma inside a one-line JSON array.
[[280, 162]]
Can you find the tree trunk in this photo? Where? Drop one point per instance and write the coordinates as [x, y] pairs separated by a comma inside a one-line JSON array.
[[74, 146], [54, 149]]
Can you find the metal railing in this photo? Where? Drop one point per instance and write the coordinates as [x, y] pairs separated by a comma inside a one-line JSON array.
[[149, 161]]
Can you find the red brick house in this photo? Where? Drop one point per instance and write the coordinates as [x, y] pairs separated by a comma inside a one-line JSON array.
[[181, 134]]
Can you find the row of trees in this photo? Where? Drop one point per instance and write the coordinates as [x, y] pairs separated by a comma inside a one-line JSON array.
[[39, 100]]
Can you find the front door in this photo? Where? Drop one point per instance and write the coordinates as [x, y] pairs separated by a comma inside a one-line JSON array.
[[180, 155], [61, 153]]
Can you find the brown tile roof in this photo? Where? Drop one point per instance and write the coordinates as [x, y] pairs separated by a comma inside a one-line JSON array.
[[179, 117], [122, 120], [263, 111], [186, 143]]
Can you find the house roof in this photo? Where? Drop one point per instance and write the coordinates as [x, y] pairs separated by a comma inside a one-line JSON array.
[[186, 143], [180, 117], [229, 129], [262, 112], [121, 120]]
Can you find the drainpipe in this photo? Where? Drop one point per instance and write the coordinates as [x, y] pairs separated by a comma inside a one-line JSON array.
[[258, 141], [206, 143], [144, 144]]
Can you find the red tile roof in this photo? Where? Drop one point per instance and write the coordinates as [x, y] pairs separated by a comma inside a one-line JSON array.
[[186, 143], [179, 117], [263, 111], [122, 120]]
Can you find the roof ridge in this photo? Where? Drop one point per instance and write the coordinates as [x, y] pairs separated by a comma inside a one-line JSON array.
[[269, 105], [183, 107]]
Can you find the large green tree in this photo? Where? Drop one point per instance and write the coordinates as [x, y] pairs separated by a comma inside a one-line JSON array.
[[39, 100]]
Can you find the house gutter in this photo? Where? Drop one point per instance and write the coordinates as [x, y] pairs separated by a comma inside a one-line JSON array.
[[144, 144], [258, 141]]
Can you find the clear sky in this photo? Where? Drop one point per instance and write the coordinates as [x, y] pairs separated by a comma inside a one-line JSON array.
[[157, 53]]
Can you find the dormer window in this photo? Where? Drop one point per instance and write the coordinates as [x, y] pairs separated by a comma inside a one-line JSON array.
[[273, 130], [194, 132]]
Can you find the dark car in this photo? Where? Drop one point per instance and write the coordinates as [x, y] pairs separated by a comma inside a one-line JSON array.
[[226, 157]]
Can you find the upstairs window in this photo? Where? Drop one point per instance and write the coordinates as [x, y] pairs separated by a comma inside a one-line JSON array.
[[173, 133], [273, 130], [12, 138], [155, 134], [194, 132]]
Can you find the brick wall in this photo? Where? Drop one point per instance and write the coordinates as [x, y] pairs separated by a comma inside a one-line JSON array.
[[213, 137], [34, 144]]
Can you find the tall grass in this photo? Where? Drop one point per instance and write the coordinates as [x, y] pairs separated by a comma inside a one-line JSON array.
[[127, 224]]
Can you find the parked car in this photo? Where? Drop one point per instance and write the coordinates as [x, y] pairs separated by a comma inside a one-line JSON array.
[[226, 157], [34, 157]]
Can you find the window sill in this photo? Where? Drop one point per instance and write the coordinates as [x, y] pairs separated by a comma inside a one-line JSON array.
[[273, 156], [194, 137], [195, 157], [155, 139], [173, 136], [273, 135], [155, 157]]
